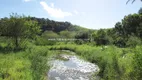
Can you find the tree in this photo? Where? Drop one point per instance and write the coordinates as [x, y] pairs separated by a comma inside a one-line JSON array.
[[67, 34], [18, 28], [131, 24], [50, 35], [133, 41], [100, 37], [132, 1], [119, 28], [140, 11], [82, 35]]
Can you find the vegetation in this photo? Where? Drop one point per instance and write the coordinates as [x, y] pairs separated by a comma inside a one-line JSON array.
[[25, 47], [132, 1], [115, 63], [18, 27], [30, 64]]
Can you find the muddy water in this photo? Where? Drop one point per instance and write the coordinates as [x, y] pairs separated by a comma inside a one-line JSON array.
[[73, 68]]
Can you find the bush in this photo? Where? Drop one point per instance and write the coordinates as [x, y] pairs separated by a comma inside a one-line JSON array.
[[42, 41], [133, 41], [79, 42], [137, 63]]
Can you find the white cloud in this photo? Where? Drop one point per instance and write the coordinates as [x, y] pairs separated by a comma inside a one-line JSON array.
[[54, 12], [27, 0], [76, 12], [52, 4]]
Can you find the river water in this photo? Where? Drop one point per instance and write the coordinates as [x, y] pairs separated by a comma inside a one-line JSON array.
[[73, 68]]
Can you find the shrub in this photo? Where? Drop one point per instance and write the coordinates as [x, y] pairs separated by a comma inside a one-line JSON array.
[[133, 41]]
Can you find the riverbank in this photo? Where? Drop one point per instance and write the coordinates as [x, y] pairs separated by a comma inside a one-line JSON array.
[[73, 68], [114, 63]]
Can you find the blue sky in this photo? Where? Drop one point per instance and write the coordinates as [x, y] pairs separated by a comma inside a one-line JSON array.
[[93, 14]]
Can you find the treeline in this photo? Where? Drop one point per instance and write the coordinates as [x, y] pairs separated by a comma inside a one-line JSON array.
[[55, 26], [19, 28], [51, 25], [127, 32]]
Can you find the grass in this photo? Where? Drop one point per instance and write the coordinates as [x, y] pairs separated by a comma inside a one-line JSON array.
[[29, 64], [14, 66]]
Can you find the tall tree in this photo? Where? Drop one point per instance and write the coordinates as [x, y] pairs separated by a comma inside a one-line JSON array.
[[18, 27], [119, 28], [131, 23], [140, 11]]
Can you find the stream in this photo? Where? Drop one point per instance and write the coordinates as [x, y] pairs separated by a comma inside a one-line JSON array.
[[71, 67]]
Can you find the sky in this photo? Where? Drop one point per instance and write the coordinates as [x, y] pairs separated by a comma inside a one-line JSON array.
[[92, 14]]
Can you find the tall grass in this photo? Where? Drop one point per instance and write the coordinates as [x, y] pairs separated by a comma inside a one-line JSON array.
[[14, 66], [38, 57], [29, 64]]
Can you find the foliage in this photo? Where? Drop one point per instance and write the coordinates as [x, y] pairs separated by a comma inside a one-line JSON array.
[[67, 34], [50, 35], [14, 66], [132, 1], [138, 63], [30, 64], [118, 50], [39, 63], [79, 41], [55, 26], [133, 41], [121, 34], [82, 35], [42, 41], [140, 11], [18, 28], [100, 37], [131, 24]]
